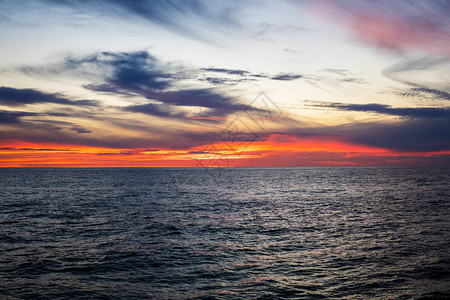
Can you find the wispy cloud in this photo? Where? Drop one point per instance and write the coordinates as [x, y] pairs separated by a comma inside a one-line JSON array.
[[218, 105], [287, 77], [35, 149], [410, 135], [396, 25], [19, 97], [424, 93], [406, 112], [140, 74], [13, 117], [418, 129], [428, 72], [184, 17], [227, 71]]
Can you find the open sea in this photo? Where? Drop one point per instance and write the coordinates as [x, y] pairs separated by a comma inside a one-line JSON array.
[[225, 233]]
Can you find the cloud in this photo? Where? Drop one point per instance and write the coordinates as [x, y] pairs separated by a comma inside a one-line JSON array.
[[223, 80], [332, 78], [226, 71], [237, 76], [17, 124], [19, 97], [428, 73], [13, 97], [218, 105], [198, 97], [140, 74], [57, 125], [424, 93], [149, 136], [35, 149], [395, 25], [420, 129], [229, 76], [13, 117], [184, 17], [340, 75], [81, 130], [409, 135], [286, 77], [406, 135], [122, 72], [407, 112], [342, 72]]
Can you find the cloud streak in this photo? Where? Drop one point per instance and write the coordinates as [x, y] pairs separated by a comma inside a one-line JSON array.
[[183, 17], [396, 25], [19, 97], [406, 112], [410, 135], [427, 73], [286, 77], [424, 93], [13, 117], [420, 129], [140, 74]]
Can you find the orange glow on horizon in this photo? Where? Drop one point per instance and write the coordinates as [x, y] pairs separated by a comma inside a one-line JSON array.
[[276, 150]]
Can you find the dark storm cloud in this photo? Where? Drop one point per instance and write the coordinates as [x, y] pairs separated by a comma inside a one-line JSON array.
[[286, 77], [18, 97], [407, 112]]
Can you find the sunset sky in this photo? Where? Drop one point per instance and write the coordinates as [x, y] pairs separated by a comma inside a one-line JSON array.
[[111, 83]]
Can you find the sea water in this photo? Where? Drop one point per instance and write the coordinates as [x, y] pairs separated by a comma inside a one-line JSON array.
[[225, 233]]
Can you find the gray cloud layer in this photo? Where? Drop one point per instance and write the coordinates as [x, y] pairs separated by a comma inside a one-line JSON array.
[[19, 97], [407, 112]]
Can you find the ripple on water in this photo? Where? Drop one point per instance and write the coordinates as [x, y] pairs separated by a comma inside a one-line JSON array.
[[283, 233]]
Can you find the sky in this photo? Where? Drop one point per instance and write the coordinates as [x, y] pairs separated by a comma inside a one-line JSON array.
[[197, 83]]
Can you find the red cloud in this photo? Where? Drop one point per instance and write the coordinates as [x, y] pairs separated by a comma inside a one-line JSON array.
[[395, 25]]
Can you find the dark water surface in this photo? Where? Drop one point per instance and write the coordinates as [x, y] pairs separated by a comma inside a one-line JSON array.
[[341, 233]]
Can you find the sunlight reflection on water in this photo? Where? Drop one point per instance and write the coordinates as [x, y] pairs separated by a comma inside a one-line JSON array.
[[274, 233]]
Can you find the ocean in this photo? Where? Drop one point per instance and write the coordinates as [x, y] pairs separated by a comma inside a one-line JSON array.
[[225, 233]]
